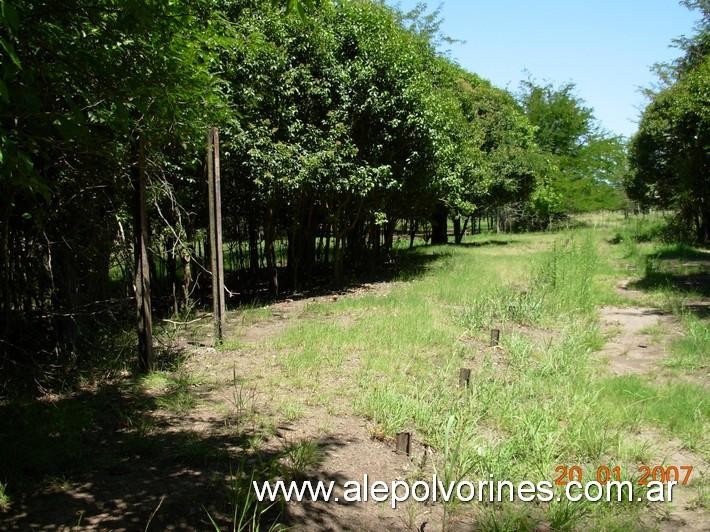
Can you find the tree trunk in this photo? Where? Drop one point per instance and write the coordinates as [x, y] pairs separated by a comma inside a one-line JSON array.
[[215, 229], [375, 238], [186, 279], [338, 261], [253, 245], [5, 268], [309, 243], [294, 254], [389, 235], [326, 259], [142, 266], [269, 232], [439, 220], [458, 233]]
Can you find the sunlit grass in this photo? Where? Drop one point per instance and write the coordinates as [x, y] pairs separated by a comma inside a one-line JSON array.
[[175, 391], [682, 408], [692, 350], [537, 400]]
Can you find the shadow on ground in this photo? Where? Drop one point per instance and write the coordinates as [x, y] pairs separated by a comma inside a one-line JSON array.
[[403, 265], [486, 243], [110, 459], [680, 269], [696, 283]]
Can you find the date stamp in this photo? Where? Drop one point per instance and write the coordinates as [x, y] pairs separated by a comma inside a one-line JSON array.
[[644, 474]]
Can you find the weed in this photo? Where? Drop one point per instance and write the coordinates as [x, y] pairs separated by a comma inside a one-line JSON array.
[[176, 390], [566, 516], [248, 514], [300, 457], [692, 350], [679, 407], [292, 411], [4, 498]]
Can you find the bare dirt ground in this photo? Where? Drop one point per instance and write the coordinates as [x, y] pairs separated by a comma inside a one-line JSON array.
[[632, 351], [180, 469], [639, 342], [346, 445]]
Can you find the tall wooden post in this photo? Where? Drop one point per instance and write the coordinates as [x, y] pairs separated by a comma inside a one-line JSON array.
[[142, 267], [215, 213]]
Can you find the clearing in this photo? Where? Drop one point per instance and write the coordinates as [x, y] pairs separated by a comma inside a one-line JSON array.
[[603, 360]]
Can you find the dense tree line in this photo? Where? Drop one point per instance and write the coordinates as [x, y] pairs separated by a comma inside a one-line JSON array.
[[589, 164], [670, 154], [340, 130]]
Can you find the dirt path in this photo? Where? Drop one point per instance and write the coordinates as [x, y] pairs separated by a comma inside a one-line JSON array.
[[639, 342], [348, 453], [343, 446], [633, 350]]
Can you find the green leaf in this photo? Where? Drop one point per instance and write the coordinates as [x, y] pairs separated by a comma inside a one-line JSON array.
[[9, 16], [10, 51]]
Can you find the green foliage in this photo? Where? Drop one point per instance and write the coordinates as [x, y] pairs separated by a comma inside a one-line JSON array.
[[670, 153], [588, 166], [692, 351], [561, 119], [335, 125], [4, 498], [679, 407]]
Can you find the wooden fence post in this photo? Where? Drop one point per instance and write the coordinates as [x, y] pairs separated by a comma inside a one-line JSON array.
[[142, 266], [495, 337], [404, 442], [215, 214]]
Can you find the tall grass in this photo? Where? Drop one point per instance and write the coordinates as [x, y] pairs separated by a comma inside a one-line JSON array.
[[561, 284], [692, 350]]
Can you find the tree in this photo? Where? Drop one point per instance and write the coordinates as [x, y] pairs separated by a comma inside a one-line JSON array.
[[670, 154], [337, 126], [88, 80], [589, 164]]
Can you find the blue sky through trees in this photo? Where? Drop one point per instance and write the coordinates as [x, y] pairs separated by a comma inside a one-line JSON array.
[[606, 47]]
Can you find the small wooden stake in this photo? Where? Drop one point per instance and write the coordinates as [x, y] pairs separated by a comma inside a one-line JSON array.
[[495, 337], [464, 377], [403, 442]]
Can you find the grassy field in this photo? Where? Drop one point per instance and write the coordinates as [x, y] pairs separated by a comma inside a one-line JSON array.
[[538, 401], [391, 353]]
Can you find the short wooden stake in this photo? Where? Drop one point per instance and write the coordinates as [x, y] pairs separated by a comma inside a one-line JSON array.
[[464, 377], [495, 337], [403, 442]]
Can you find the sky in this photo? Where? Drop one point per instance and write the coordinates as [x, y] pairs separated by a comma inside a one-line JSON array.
[[605, 47]]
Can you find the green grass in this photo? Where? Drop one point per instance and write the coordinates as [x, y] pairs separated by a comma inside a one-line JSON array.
[[536, 402], [540, 399], [664, 267], [4, 498], [175, 390], [682, 408], [692, 350], [292, 411], [300, 457]]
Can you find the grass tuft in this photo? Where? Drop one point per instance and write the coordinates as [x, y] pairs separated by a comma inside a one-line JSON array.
[[4, 498]]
